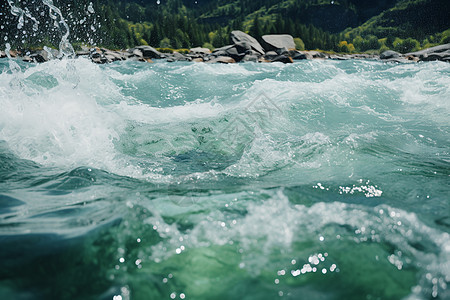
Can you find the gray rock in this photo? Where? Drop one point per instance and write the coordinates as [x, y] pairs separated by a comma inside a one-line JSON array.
[[339, 57], [283, 59], [223, 60], [298, 55], [199, 50], [270, 55], [317, 54], [441, 56], [251, 57], [399, 60], [149, 52], [278, 41], [114, 55], [100, 60], [176, 56], [27, 58], [82, 53], [39, 57], [243, 47], [236, 53], [238, 36], [437, 49], [49, 53], [282, 51], [224, 48], [137, 52], [388, 54]]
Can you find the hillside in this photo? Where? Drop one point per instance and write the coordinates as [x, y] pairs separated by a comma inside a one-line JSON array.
[[340, 25]]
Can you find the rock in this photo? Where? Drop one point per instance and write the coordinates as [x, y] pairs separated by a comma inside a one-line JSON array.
[[282, 51], [297, 55], [39, 57], [126, 55], [238, 36], [137, 58], [224, 48], [176, 56], [137, 52], [251, 57], [339, 57], [317, 54], [236, 53], [149, 52], [243, 47], [270, 55], [82, 53], [27, 58], [412, 58], [437, 49], [223, 60], [199, 59], [95, 55], [113, 55], [399, 60], [283, 59], [199, 51], [49, 53], [388, 54], [441, 56], [2, 54], [100, 60], [273, 42]]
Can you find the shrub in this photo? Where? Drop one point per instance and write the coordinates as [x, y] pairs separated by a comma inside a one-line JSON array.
[[209, 46], [345, 47], [406, 45], [299, 45]]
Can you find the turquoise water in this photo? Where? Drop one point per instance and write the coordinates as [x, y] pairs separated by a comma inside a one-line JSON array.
[[314, 180]]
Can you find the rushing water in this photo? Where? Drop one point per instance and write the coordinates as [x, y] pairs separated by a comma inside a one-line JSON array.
[[315, 180]]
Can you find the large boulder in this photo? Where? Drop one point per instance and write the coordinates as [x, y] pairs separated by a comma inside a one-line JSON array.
[[437, 49], [199, 51], [238, 36], [149, 52], [176, 56], [222, 60], [274, 42], [283, 59], [388, 54], [442, 56], [237, 51], [299, 55]]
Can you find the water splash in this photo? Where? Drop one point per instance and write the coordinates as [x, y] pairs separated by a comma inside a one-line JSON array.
[[65, 48], [18, 12]]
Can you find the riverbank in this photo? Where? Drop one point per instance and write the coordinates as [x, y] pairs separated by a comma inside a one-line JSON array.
[[244, 48]]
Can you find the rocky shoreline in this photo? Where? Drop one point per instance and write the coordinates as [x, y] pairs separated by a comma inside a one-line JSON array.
[[244, 48]]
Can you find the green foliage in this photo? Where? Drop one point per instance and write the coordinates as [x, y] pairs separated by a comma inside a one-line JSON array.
[[165, 43], [208, 45], [406, 45], [183, 51], [165, 50], [299, 45], [345, 47], [181, 24]]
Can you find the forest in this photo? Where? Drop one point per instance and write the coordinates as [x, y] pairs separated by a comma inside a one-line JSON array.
[[340, 26]]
